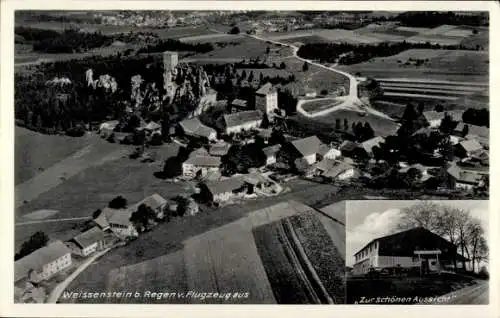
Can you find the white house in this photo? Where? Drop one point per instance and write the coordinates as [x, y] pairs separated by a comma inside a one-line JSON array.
[[88, 242], [246, 120], [459, 178], [200, 165], [334, 169], [328, 152], [271, 153], [266, 100], [156, 202], [307, 148], [194, 128], [121, 225], [224, 190], [43, 263]]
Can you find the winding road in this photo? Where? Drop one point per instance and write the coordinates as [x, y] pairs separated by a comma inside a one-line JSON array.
[[350, 101]]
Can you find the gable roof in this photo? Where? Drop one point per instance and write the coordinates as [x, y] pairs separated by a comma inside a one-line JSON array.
[[265, 89], [307, 146], [219, 149], [348, 145], [121, 217], [239, 102], [195, 127], [465, 176], [323, 149], [223, 186], [471, 145], [153, 201], [433, 115], [152, 126], [332, 168], [474, 130], [103, 219], [271, 150], [204, 161], [89, 237], [417, 166], [370, 143], [243, 117], [37, 259], [200, 152]]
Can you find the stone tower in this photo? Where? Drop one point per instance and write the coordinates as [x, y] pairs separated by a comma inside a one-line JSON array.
[[170, 60]]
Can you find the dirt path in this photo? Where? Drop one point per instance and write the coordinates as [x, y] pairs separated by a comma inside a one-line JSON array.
[[55, 175], [52, 220]]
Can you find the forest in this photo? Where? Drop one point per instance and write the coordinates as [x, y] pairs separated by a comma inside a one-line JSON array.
[[431, 19], [347, 53]]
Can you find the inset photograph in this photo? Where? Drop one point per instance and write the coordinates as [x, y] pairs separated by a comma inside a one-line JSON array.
[[417, 252]]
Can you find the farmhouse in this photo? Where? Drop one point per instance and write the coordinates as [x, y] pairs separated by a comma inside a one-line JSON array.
[[246, 120], [271, 153], [200, 166], [467, 148], [433, 118], [479, 133], [417, 249], [194, 128], [219, 149], [459, 178], [333, 169], [238, 105], [102, 221], [156, 202], [43, 263], [266, 100], [348, 148], [224, 190], [88, 242], [328, 152], [307, 149], [121, 225], [367, 146]]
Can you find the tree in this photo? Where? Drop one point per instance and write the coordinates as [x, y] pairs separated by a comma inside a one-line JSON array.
[[425, 214], [447, 124], [234, 30], [250, 77], [118, 202], [446, 149], [439, 108], [465, 130], [346, 124], [337, 123], [368, 131], [36, 241], [143, 216], [268, 50], [283, 65], [305, 67], [96, 214], [477, 246]]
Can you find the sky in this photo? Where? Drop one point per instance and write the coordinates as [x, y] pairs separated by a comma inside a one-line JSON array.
[[370, 219]]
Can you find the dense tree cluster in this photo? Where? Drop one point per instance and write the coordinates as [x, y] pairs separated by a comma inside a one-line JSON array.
[[347, 53], [431, 19], [68, 41], [176, 45], [242, 157], [478, 117], [36, 241], [32, 34]]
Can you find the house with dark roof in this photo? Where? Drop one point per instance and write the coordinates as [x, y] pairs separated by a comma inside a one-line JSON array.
[[417, 248], [156, 202], [479, 133], [460, 178], [246, 120], [333, 169], [368, 145], [195, 128], [102, 220], [88, 242], [200, 166], [307, 148], [43, 263]]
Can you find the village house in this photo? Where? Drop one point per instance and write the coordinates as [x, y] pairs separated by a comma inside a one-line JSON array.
[[88, 242], [43, 263], [415, 249], [156, 202], [421, 168], [306, 150], [479, 133], [224, 190], [266, 100], [348, 148], [368, 145], [433, 118], [328, 152], [468, 148], [333, 169], [219, 149], [271, 153], [107, 128], [246, 120], [460, 178], [121, 225], [102, 220], [152, 128], [194, 128], [238, 105], [200, 166]]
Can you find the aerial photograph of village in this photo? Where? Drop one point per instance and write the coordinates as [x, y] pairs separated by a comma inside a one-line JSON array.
[[251, 157]]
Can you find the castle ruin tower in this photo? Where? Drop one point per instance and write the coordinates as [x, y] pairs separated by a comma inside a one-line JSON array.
[[170, 61]]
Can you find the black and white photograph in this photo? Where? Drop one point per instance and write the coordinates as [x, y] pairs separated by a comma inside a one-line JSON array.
[[251, 157], [417, 252]]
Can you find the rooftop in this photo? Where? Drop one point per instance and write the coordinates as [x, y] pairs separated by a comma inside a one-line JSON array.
[[265, 89], [307, 146], [433, 115], [227, 185], [370, 143], [239, 103], [471, 145], [39, 258], [240, 118], [271, 150], [121, 216], [465, 176], [474, 130], [204, 161], [195, 127], [153, 201], [219, 149], [89, 237]]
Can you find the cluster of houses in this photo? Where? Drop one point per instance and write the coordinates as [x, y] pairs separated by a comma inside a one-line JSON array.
[[58, 257]]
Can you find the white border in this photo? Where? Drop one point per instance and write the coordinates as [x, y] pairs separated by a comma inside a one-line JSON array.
[[7, 308]]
